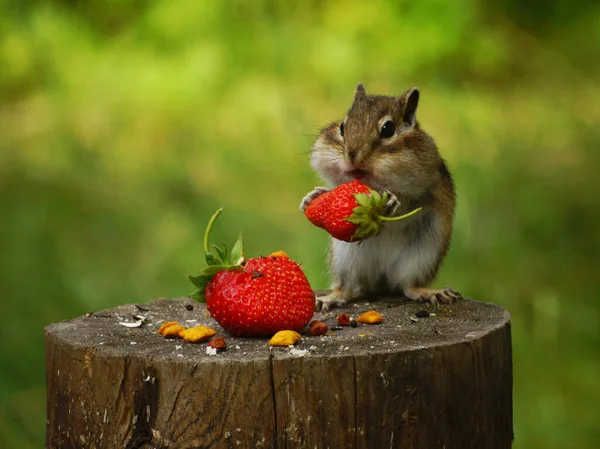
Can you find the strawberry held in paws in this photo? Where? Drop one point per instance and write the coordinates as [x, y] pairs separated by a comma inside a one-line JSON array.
[[258, 296], [351, 212]]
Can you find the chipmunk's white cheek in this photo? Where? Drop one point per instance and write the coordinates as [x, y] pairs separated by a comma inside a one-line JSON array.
[[382, 171], [329, 165]]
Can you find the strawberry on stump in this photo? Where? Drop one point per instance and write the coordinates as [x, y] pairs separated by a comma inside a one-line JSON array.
[[253, 297], [351, 212]]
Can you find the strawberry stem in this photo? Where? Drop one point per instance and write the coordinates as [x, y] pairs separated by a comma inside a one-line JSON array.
[[211, 222], [401, 217]]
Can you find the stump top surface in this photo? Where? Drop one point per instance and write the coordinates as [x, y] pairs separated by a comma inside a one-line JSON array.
[[401, 331]]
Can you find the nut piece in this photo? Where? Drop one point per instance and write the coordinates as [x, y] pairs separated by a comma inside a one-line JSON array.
[[197, 334], [163, 326], [218, 343], [343, 320], [173, 331], [279, 254], [318, 328], [284, 338], [370, 317]]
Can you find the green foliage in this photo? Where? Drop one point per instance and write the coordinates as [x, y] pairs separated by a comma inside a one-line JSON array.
[[126, 124]]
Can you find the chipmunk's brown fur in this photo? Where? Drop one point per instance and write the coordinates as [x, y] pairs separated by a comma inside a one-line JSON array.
[[381, 142]]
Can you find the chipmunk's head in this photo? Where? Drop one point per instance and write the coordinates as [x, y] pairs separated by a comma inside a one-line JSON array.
[[381, 143]]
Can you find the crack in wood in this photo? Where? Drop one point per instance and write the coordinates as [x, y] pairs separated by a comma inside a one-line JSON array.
[[186, 405], [123, 418], [145, 401], [355, 377], [273, 395], [173, 406], [190, 423]]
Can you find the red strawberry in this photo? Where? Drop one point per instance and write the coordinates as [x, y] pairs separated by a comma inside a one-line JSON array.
[[351, 212], [259, 296]]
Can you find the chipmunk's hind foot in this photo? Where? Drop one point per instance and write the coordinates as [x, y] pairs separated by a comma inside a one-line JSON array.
[[335, 299], [444, 296]]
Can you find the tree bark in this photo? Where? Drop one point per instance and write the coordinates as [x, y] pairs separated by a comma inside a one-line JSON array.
[[444, 381]]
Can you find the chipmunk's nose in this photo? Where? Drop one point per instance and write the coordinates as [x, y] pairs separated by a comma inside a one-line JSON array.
[[352, 155]]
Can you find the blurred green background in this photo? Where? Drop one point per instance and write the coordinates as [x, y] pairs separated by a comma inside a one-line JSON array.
[[125, 124]]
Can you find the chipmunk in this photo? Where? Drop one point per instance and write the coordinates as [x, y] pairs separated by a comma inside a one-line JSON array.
[[381, 143]]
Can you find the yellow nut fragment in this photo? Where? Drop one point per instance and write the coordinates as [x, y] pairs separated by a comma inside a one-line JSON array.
[[197, 334], [173, 331], [162, 328], [284, 338], [279, 254], [370, 317]]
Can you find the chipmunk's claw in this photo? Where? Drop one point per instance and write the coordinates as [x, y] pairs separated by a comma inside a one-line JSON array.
[[444, 296], [317, 191], [335, 299], [453, 294], [392, 206]]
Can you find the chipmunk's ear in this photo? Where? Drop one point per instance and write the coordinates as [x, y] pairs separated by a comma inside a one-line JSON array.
[[410, 99], [359, 92]]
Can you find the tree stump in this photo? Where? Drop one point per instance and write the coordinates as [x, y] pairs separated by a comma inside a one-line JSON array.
[[443, 381]]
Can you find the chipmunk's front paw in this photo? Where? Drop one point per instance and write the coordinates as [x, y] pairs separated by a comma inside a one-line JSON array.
[[317, 191], [392, 206], [443, 296]]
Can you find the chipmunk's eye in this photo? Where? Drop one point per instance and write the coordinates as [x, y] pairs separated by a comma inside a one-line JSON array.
[[387, 130], [342, 129]]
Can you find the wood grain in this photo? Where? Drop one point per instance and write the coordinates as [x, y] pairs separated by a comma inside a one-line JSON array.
[[439, 382]]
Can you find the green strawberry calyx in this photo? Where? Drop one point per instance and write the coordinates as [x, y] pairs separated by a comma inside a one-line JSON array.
[[219, 260], [369, 214]]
